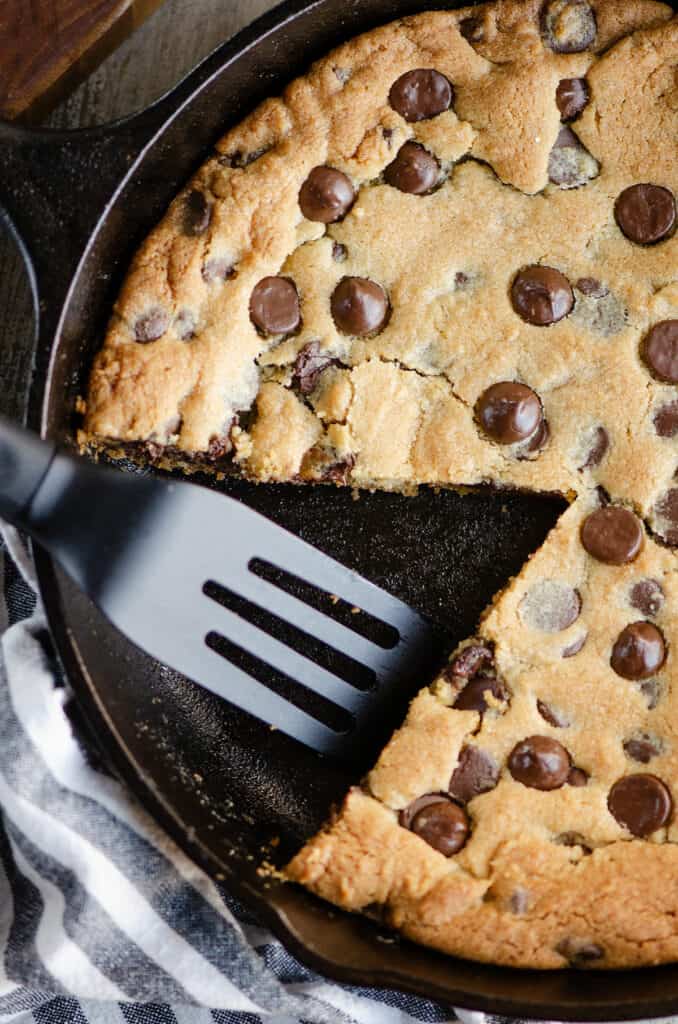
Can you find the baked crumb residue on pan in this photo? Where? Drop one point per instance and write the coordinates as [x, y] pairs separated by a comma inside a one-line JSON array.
[[448, 256]]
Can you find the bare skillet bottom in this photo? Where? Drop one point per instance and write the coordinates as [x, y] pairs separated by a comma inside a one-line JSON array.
[[223, 785]]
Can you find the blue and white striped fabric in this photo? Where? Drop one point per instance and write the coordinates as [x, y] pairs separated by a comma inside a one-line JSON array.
[[102, 918]]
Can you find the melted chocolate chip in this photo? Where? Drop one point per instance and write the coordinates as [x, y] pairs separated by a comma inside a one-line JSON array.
[[185, 325], [570, 163], [597, 444], [577, 777], [666, 511], [469, 662], [326, 196], [414, 170], [421, 94], [474, 695], [579, 952], [612, 535], [274, 306], [151, 325], [339, 472], [572, 95], [666, 420], [540, 763], [646, 213], [660, 351], [641, 803], [438, 821], [550, 606], [642, 748], [217, 269], [359, 306], [520, 901], [308, 366], [339, 252], [509, 412], [552, 716], [575, 647], [592, 287], [537, 442], [639, 651], [572, 839], [652, 690], [477, 772], [472, 29], [568, 26], [647, 596], [541, 295], [197, 213]]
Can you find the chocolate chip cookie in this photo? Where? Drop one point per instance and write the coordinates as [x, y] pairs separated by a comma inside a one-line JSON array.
[[448, 256]]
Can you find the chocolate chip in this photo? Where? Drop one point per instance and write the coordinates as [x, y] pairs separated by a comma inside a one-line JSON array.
[[572, 95], [579, 952], [652, 690], [641, 803], [540, 763], [552, 716], [185, 325], [639, 651], [218, 269], [612, 535], [274, 306], [572, 839], [326, 196], [359, 306], [660, 351], [537, 442], [597, 443], [646, 213], [239, 159], [666, 511], [339, 472], [421, 94], [509, 412], [575, 647], [414, 170], [388, 134], [461, 280], [308, 366], [577, 777], [197, 213], [339, 252], [541, 295], [568, 26], [592, 287], [472, 29], [642, 748], [151, 325], [666, 419], [474, 695], [647, 596], [550, 606], [219, 447], [477, 772], [520, 901], [469, 661], [438, 821], [570, 163]]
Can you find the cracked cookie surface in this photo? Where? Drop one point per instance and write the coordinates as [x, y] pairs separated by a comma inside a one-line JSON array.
[[448, 256]]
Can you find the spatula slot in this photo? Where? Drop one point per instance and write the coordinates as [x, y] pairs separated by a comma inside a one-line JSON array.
[[337, 662], [356, 619], [313, 704]]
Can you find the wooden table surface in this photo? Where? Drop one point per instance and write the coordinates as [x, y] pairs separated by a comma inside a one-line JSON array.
[[166, 46]]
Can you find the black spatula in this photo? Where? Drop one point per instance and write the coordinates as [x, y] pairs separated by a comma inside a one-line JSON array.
[[163, 560]]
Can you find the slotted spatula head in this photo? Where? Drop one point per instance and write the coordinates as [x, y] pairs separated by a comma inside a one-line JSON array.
[[218, 592]]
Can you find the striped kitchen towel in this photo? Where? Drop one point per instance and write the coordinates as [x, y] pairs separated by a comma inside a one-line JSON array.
[[102, 917]]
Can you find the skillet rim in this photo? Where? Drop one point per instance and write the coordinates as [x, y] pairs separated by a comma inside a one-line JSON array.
[[272, 911]]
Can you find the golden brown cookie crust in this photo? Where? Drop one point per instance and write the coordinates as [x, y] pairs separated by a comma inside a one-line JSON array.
[[185, 374]]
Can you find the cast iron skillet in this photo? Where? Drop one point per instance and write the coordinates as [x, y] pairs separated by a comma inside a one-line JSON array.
[[222, 785]]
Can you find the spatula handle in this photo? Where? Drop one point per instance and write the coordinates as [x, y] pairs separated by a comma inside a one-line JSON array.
[[24, 461]]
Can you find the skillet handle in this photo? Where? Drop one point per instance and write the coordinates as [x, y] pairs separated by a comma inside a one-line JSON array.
[[24, 461]]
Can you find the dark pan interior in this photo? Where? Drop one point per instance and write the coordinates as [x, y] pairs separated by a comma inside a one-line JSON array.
[[222, 783]]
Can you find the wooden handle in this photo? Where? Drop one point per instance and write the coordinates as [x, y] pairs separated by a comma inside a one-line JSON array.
[[48, 46]]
